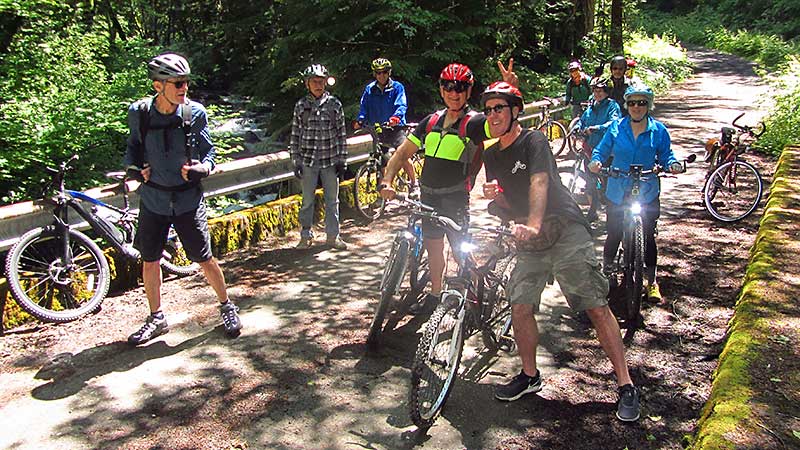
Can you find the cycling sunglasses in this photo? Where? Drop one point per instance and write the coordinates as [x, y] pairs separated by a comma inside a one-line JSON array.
[[380, 72], [179, 84], [450, 85], [496, 108], [637, 102]]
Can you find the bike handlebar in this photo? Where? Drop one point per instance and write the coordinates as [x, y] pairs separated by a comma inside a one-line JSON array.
[[637, 172], [748, 129]]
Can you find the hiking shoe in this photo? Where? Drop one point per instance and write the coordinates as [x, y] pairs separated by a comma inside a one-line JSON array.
[[153, 327], [337, 243], [653, 293], [230, 319], [518, 386], [428, 302], [305, 242], [628, 404]]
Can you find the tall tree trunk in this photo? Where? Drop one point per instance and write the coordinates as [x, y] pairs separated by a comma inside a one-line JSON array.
[[616, 26], [584, 23]]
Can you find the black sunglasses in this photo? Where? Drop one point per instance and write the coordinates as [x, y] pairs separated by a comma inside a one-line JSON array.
[[179, 84], [637, 102], [450, 85], [496, 108], [380, 72], [619, 68]]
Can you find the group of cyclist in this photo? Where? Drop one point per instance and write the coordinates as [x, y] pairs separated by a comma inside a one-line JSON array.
[[619, 130], [554, 238]]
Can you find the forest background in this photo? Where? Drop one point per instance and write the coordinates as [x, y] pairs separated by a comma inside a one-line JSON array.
[[69, 69]]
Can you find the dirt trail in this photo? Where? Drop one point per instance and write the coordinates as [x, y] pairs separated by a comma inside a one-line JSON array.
[[299, 377]]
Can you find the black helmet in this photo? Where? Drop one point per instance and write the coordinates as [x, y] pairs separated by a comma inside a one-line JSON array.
[[168, 65]]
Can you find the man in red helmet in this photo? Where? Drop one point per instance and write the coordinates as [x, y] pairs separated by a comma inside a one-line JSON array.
[[553, 240], [452, 138]]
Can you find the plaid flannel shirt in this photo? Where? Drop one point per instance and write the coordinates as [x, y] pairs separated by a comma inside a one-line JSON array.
[[318, 132]]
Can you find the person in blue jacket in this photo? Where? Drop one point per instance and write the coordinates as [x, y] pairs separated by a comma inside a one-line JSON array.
[[384, 101], [636, 139], [594, 122]]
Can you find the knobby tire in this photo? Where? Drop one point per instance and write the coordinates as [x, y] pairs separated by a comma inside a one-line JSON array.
[[497, 308], [635, 280], [436, 362], [33, 264]]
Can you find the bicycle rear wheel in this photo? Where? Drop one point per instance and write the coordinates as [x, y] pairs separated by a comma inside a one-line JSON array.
[[436, 362], [732, 191], [366, 193], [634, 278], [47, 286], [574, 143], [390, 283], [556, 134]]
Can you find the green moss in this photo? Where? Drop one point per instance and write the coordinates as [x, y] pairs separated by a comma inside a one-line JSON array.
[[728, 409]]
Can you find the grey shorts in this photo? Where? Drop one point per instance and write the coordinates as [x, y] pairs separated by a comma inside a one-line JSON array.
[[574, 264]]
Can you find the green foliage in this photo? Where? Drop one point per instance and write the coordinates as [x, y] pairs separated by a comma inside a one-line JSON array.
[[59, 98], [783, 123], [660, 60]]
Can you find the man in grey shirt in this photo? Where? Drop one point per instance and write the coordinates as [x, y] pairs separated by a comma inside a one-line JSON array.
[[170, 150]]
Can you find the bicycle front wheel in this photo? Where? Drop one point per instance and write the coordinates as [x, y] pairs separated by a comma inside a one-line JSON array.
[[436, 362], [390, 283], [366, 192], [732, 191], [634, 279], [556, 135], [574, 143], [57, 283]]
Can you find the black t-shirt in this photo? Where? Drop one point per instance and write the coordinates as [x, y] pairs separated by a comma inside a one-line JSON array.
[[513, 166], [440, 173]]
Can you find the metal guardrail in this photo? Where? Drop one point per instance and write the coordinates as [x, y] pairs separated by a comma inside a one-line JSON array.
[[228, 178]]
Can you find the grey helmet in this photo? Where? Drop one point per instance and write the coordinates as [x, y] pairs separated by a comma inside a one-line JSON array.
[[168, 65]]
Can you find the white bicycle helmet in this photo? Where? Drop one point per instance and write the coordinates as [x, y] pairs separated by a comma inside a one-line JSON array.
[[168, 65]]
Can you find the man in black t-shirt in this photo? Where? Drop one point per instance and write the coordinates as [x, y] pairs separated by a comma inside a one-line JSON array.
[[552, 240], [452, 155]]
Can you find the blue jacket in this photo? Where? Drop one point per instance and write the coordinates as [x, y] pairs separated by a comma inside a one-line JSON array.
[[377, 106], [652, 146], [599, 115]]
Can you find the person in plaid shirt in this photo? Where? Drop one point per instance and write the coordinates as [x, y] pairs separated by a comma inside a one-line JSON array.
[[318, 151]]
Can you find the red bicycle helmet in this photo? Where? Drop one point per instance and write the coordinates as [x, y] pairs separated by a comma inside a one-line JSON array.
[[457, 72], [501, 89]]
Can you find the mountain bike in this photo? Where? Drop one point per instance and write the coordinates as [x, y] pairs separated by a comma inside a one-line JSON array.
[[733, 186], [553, 130], [626, 280], [57, 273], [369, 176], [474, 300]]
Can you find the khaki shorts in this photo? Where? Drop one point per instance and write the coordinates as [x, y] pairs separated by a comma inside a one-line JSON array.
[[574, 264]]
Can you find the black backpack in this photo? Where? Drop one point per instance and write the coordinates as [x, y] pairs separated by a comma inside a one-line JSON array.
[[144, 127], [185, 110]]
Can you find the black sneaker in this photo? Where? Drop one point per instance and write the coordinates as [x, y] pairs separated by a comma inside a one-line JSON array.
[[230, 319], [153, 327], [628, 404], [518, 386], [428, 302]]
